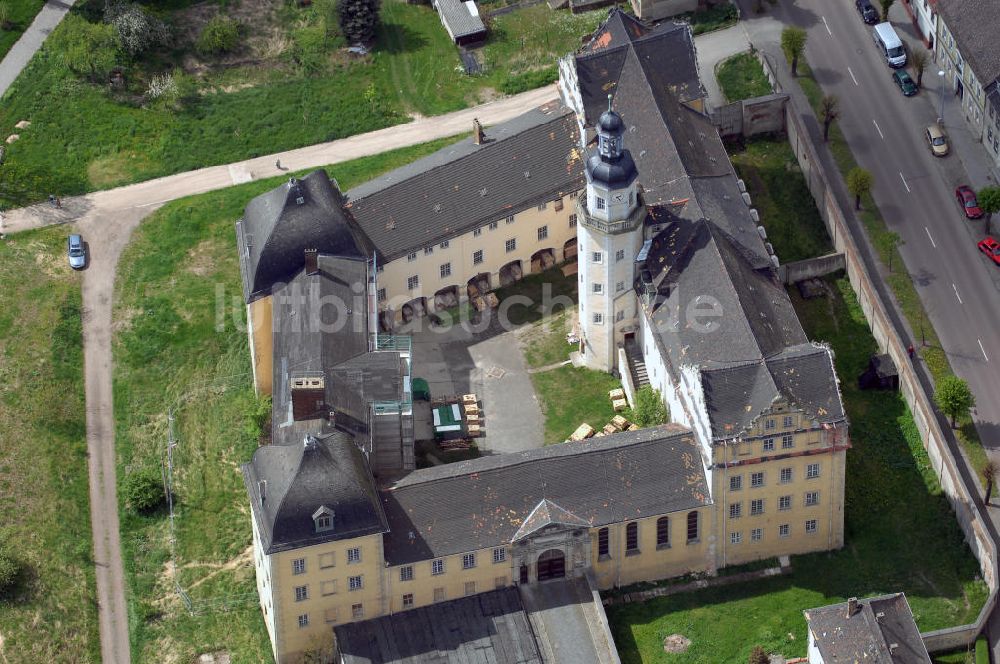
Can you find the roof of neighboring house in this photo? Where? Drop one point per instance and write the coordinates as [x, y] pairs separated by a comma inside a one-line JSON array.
[[669, 47], [975, 25], [489, 627], [459, 18], [523, 162], [881, 631], [752, 350], [482, 503], [324, 470], [279, 225]]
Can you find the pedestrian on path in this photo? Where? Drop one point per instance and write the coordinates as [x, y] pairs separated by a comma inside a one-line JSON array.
[[909, 351], [277, 164]]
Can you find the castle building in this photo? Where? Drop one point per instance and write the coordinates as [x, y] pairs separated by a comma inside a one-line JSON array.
[[677, 289]]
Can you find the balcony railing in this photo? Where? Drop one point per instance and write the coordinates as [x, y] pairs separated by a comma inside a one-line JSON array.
[[630, 223], [393, 342]]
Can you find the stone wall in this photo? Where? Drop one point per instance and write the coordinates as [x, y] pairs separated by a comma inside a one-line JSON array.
[[810, 268]]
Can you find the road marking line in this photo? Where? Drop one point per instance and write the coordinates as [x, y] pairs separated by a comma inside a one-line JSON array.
[[904, 182], [142, 205], [957, 295], [852, 76], [983, 349], [929, 236], [879, 129], [827, 26]]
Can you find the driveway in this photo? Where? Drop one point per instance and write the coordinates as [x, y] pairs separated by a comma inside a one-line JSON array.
[[27, 45]]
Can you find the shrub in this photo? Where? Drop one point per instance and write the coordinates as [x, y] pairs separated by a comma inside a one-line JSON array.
[[529, 80], [143, 490], [358, 19], [758, 656], [219, 35], [138, 30], [4, 14], [10, 567], [88, 48], [649, 408], [982, 651]]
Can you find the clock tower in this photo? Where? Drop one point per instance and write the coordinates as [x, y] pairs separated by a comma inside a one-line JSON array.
[[609, 235]]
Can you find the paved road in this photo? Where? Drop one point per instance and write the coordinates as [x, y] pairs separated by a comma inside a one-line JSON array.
[[19, 55], [566, 622]]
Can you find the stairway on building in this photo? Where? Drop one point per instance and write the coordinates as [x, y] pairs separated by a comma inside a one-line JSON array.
[[636, 364]]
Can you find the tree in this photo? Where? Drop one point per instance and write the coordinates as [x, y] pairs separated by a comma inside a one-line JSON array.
[[4, 14], [886, 4], [358, 19], [888, 242], [143, 490], [219, 35], [793, 43], [649, 409], [828, 111], [758, 656], [137, 29], [990, 471], [919, 61], [954, 397], [859, 183], [989, 202], [89, 48]]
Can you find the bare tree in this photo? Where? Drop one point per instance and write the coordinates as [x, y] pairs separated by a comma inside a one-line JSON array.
[[829, 111]]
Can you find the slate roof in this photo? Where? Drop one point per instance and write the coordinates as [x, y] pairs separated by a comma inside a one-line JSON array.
[[489, 627], [526, 161], [320, 326], [870, 634], [975, 25], [755, 351], [600, 61], [547, 513], [276, 230], [482, 503], [323, 470], [457, 18]]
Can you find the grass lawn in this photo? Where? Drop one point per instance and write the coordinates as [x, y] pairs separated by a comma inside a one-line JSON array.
[[51, 614], [171, 350], [22, 13], [781, 196], [570, 396], [547, 292], [899, 279], [742, 77], [299, 90], [544, 342], [717, 17], [900, 533]]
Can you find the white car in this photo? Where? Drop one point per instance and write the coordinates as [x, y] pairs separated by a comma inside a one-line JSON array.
[[76, 251]]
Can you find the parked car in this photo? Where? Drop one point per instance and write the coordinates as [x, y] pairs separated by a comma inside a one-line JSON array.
[[991, 248], [76, 251], [890, 45], [905, 82], [868, 13], [937, 140], [967, 199]]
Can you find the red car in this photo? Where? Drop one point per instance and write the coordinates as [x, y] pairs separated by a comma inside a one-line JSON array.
[[967, 199], [991, 248]]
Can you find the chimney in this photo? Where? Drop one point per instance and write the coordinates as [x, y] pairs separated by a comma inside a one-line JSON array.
[[262, 488], [852, 606], [477, 132], [312, 261], [308, 397]]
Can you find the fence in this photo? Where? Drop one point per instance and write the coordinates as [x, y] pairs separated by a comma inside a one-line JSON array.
[[957, 481]]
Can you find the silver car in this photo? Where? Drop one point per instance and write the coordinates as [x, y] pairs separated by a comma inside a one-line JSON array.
[[76, 251]]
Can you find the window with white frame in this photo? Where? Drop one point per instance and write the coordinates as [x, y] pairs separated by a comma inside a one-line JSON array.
[[788, 421], [597, 288], [468, 561], [437, 566], [620, 255], [757, 506], [413, 282], [509, 219], [357, 611], [786, 475], [599, 318], [784, 503], [353, 555], [408, 601], [543, 232], [784, 530], [619, 286], [301, 593], [572, 221], [445, 244], [299, 566], [736, 537], [355, 583], [445, 270], [428, 251], [812, 471], [597, 257], [304, 620], [511, 244], [382, 295], [735, 510], [406, 573], [412, 256], [735, 482], [769, 444], [477, 232], [756, 480], [812, 498], [599, 202], [769, 423], [757, 534], [542, 206], [558, 204], [811, 526], [477, 257], [787, 442], [499, 554], [493, 224]]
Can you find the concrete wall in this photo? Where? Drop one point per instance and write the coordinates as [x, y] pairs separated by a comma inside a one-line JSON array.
[[958, 481], [750, 117], [797, 271], [654, 10]]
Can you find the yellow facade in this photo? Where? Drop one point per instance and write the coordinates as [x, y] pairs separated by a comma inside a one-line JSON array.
[[259, 330], [779, 489], [422, 586]]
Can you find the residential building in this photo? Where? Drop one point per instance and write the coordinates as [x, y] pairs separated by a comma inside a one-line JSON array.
[[967, 53], [879, 630], [669, 255], [923, 13]]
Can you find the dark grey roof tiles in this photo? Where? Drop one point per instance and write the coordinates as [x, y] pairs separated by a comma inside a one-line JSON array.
[[325, 470], [460, 21], [279, 225], [805, 376], [545, 514], [532, 159], [482, 503], [975, 25], [490, 627], [881, 631]]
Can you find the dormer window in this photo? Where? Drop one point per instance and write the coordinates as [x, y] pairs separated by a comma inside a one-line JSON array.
[[323, 519]]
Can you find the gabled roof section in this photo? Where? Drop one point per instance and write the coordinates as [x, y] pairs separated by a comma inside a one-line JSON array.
[[547, 513], [458, 18], [324, 470], [523, 162], [879, 630], [619, 29], [278, 226], [484, 502], [975, 25]]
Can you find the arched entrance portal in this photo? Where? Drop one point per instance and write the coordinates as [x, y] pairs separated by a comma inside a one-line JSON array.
[[569, 249], [551, 565], [542, 260], [478, 285], [415, 308], [510, 273], [446, 298]]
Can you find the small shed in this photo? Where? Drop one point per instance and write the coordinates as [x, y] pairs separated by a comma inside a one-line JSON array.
[[881, 374], [461, 20]]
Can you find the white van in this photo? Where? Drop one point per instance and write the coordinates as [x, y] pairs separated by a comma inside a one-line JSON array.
[[889, 43]]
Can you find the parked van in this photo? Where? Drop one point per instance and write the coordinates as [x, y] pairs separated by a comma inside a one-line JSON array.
[[889, 43]]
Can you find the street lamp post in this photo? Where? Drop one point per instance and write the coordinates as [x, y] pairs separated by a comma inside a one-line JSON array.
[[941, 109]]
